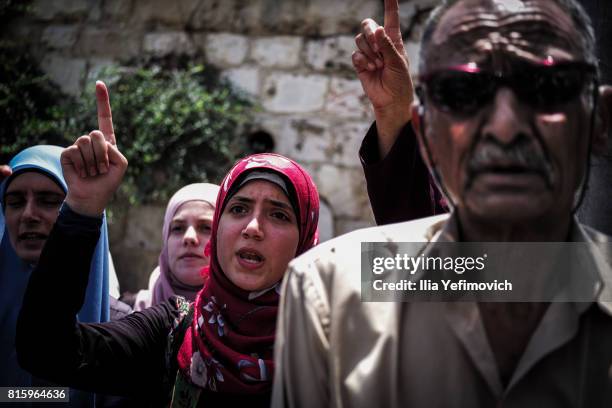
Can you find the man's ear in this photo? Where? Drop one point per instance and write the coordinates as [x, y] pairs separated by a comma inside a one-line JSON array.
[[603, 120], [419, 127]]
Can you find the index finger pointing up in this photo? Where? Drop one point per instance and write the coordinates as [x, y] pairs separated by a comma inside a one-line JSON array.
[[391, 21], [105, 117]]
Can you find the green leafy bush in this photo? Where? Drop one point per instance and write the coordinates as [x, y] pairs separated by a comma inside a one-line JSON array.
[[175, 126], [31, 107]]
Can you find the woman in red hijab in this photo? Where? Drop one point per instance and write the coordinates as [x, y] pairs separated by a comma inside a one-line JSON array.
[[215, 350], [266, 214]]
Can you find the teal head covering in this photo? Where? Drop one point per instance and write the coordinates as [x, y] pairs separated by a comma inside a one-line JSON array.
[[15, 273]]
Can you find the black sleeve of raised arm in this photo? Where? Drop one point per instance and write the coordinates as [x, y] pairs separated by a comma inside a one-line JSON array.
[[126, 357], [399, 185]]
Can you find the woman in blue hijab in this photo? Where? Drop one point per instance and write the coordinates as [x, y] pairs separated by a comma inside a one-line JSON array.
[[15, 270]]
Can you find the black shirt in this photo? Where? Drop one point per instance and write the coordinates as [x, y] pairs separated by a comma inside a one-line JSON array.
[[128, 357]]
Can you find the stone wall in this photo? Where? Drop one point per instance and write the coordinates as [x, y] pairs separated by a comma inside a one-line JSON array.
[[292, 56]]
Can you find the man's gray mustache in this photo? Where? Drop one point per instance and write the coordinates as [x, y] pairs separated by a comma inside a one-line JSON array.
[[517, 157]]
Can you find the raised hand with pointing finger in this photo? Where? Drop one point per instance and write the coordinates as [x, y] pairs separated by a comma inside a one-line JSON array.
[[382, 67], [93, 166]]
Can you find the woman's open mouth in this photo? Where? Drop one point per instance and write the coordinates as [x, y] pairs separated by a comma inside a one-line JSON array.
[[250, 258]]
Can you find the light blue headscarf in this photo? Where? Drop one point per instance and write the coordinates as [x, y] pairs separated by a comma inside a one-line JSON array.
[[15, 273]]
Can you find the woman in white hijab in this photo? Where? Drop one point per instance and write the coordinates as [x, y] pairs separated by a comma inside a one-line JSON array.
[[186, 231]]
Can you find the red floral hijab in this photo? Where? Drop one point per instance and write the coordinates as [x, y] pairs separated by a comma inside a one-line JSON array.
[[229, 346]]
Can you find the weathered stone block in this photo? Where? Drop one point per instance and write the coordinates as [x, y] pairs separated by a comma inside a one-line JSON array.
[[133, 266], [344, 150], [282, 52], [316, 140], [228, 15], [18, 29], [117, 10], [280, 128], [62, 9], [337, 16], [326, 222], [290, 93], [344, 225], [305, 139], [345, 191], [288, 17], [115, 43], [144, 227], [332, 53], [315, 17], [224, 49], [244, 78], [169, 42], [59, 36], [346, 99], [413, 14], [313, 140], [68, 73], [95, 68], [95, 13], [176, 13]]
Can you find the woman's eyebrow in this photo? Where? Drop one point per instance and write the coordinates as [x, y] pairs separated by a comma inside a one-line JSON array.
[[276, 203], [48, 194], [38, 194], [279, 204], [14, 194], [242, 199]]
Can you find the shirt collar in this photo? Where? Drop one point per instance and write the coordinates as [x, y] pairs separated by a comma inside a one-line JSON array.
[[598, 257]]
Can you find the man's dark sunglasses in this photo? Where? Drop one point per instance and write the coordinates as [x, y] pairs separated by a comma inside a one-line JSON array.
[[463, 90]]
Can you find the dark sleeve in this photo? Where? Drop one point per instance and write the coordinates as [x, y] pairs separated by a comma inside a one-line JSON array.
[[126, 357], [399, 185]]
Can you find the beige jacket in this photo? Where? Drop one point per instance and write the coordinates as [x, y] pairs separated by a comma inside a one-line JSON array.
[[333, 350]]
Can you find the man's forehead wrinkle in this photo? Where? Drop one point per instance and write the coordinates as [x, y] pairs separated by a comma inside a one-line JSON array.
[[542, 35], [532, 39], [510, 27], [464, 19]]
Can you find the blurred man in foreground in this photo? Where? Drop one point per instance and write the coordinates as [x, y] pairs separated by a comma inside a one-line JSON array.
[[510, 110]]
